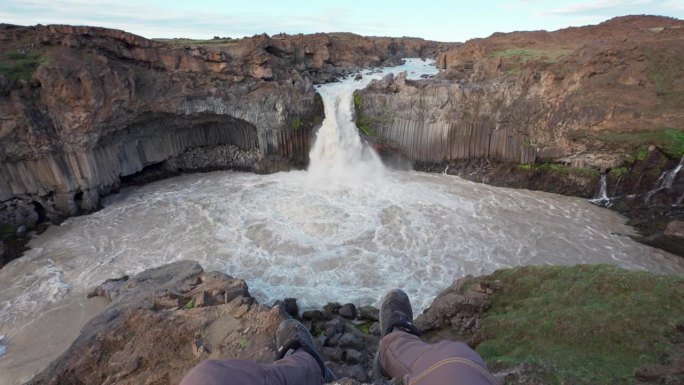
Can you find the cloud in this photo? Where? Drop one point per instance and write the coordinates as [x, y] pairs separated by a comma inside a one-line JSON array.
[[609, 8], [154, 19]]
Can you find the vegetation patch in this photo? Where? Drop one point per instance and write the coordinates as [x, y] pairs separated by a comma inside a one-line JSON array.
[[666, 72], [523, 55], [555, 167], [619, 171], [670, 140], [19, 65], [593, 324], [297, 123]]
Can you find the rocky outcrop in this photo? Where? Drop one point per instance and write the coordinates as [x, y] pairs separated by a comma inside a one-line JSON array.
[[165, 320], [84, 107], [548, 110], [581, 96]]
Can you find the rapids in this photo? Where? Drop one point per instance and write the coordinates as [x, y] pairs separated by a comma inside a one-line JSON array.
[[345, 230]]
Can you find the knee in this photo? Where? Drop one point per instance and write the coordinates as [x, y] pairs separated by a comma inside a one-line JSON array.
[[202, 373]]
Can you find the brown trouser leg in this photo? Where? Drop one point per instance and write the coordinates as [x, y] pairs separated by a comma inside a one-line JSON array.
[[299, 368], [406, 356]]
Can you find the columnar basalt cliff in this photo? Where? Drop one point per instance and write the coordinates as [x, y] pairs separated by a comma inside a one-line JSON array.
[[82, 107], [547, 110]]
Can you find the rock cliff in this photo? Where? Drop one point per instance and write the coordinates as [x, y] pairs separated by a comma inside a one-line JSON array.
[[547, 110], [82, 107]]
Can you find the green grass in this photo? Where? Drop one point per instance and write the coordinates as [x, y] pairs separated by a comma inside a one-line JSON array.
[[670, 140], [190, 304], [18, 65], [525, 54], [666, 72], [297, 123], [590, 324], [244, 343], [556, 168], [619, 171]]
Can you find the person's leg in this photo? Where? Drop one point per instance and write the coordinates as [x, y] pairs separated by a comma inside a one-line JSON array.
[[299, 368], [403, 355], [297, 363]]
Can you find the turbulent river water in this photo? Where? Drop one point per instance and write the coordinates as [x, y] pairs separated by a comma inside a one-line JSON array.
[[347, 229]]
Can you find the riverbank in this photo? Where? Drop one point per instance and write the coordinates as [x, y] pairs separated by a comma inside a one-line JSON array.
[[618, 326]]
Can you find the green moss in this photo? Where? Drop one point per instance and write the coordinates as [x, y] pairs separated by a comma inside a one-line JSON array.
[[244, 343], [619, 171], [590, 324], [357, 100], [297, 123], [525, 54], [365, 327], [642, 153], [555, 167], [17, 65], [190, 304], [7, 229], [668, 139]]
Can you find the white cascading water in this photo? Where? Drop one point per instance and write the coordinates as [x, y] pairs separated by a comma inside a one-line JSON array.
[[346, 230], [665, 181], [602, 197]]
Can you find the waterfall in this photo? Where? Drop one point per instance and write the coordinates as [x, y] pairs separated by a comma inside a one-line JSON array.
[[665, 181], [602, 196], [338, 154]]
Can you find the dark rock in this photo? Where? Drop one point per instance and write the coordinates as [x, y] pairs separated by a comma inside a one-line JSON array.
[[370, 313], [349, 340], [348, 311], [291, 307], [331, 309], [333, 340], [356, 372], [375, 329], [333, 327], [353, 356], [333, 353], [358, 77], [312, 315], [460, 305]]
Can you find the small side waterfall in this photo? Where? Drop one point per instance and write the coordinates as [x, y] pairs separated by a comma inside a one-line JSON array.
[[602, 198], [665, 181]]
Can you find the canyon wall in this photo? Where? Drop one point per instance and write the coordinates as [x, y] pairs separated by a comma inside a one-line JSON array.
[[82, 107], [554, 111], [584, 97]]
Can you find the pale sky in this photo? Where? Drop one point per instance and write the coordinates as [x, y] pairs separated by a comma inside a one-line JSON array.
[[442, 20]]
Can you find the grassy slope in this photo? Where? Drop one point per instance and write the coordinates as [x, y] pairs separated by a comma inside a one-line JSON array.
[[591, 324]]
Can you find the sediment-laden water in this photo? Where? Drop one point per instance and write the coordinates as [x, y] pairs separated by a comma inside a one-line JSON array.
[[345, 230]]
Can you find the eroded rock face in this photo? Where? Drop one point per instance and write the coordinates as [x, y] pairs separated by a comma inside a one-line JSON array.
[[565, 96], [95, 105], [161, 323]]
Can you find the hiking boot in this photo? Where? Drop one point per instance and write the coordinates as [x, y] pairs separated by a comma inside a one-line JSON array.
[[395, 314], [292, 335]]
